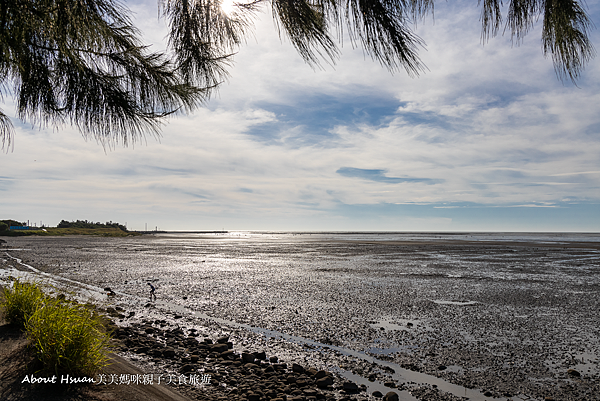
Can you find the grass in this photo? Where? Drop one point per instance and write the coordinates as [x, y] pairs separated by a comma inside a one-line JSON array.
[[68, 337]]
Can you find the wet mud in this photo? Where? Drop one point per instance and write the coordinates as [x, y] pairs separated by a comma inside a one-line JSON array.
[[431, 318]]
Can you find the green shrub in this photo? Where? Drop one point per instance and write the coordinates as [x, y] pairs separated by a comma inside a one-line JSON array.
[[3, 227], [21, 301], [67, 337]]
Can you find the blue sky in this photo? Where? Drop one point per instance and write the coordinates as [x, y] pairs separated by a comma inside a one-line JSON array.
[[486, 140]]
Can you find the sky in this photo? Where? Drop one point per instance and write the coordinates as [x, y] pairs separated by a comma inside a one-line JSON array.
[[487, 139]]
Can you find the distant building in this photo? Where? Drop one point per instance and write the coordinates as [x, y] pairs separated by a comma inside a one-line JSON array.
[[20, 228]]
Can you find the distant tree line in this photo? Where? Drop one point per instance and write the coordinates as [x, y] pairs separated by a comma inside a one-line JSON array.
[[6, 224], [90, 224]]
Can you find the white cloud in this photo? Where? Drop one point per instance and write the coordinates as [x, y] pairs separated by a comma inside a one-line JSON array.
[[492, 122]]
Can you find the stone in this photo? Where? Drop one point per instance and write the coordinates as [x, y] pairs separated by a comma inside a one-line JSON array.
[[390, 384], [229, 354], [253, 397], [573, 372], [377, 394], [260, 355], [187, 368], [247, 358], [168, 352], [297, 368], [350, 387], [273, 359], [219, 348], [222, 340], [324, 382], [301, 383], [321, 373], [391, 396], [442, 367]]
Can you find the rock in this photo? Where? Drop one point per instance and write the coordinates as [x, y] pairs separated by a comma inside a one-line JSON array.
[[311, 371], [219, 348], [377, 394], [391, 396], [301, 383], [389, 384], [442, 367], [222, 340], [297, 368], [188, 368], [194, 358], [273, 359], [321, 373], [280, 366], [324, 382], [229, 354], [488, 394], [573, 372], [260, 355], [149, 330], [350, 387], [247, 358], [168, 352]]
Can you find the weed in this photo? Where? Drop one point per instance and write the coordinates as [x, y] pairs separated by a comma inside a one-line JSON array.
[[68, 337]]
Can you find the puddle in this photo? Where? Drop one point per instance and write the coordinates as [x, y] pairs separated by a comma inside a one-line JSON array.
[[392, 350], [460, 303], [373, 386]]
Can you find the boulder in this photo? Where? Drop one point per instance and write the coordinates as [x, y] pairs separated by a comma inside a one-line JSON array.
[[297, 368], [219, 348], [321, 373], [391, 396], [350, 387], [324, 382], [260, 355], [247, 358]]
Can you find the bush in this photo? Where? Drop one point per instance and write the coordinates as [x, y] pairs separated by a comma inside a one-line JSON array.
[[21, 302], [3, 227], [68, 337]]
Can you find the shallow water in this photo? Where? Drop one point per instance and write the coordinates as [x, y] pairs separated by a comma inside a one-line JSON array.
[[520, 305]]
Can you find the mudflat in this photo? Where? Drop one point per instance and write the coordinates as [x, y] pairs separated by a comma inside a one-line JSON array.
[[511, 317]]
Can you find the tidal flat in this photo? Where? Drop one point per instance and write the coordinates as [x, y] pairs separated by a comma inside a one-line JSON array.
[[433, 316]]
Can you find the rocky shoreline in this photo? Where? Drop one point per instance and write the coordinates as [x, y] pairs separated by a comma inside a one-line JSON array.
[[224, 374]]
